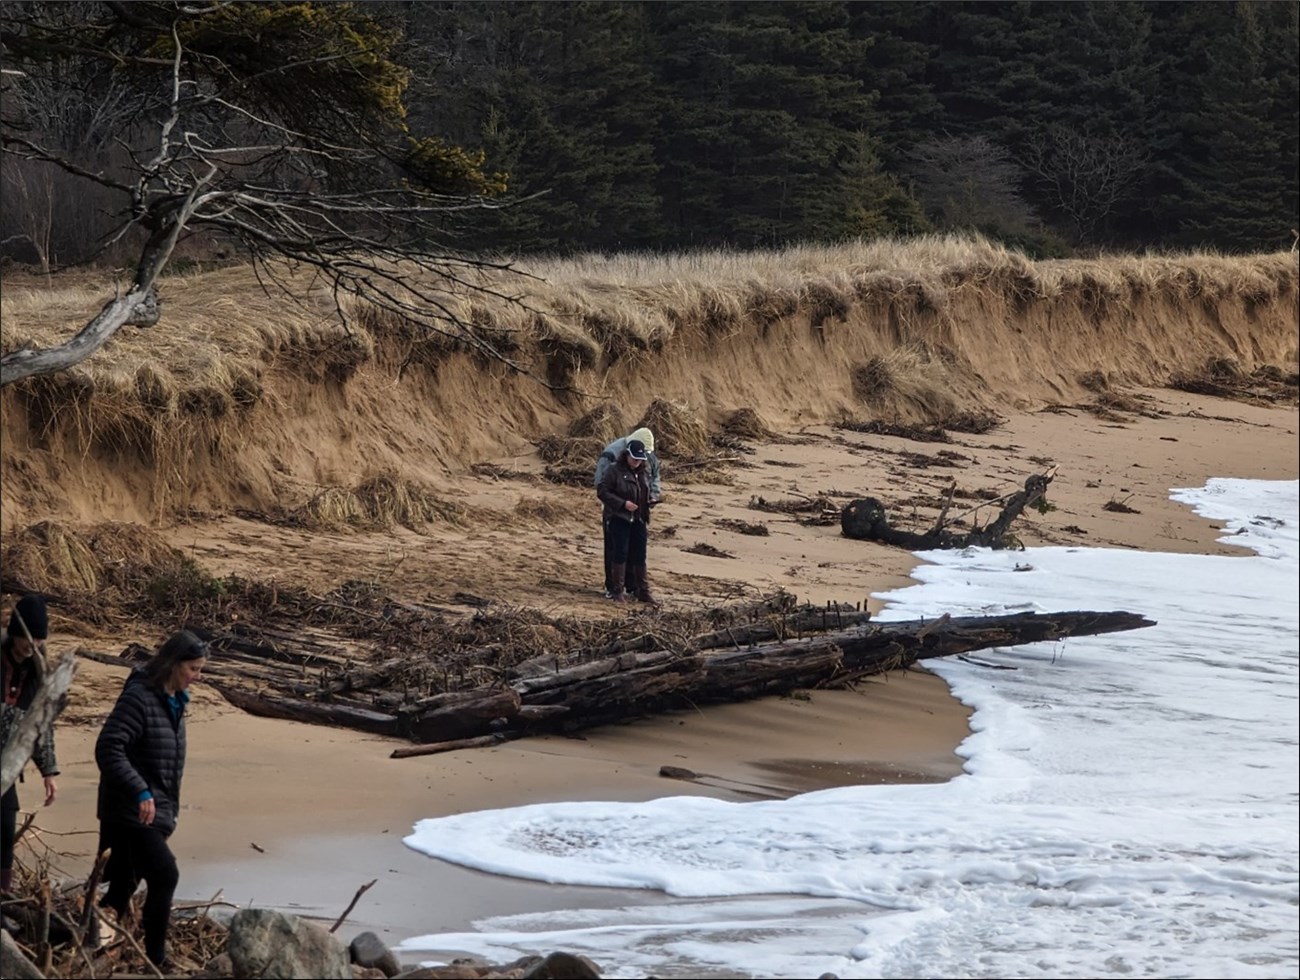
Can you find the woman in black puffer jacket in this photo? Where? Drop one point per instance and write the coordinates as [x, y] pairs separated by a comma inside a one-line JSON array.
[[141, 759]]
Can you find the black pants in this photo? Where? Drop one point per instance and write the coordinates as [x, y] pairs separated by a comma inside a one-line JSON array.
[[627, 542], [630, 583], [8, 826], [141, 853]]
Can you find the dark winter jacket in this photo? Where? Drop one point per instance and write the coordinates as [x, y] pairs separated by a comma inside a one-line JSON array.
[[611, 454], [141, 748], [23, 680], [621, 483]]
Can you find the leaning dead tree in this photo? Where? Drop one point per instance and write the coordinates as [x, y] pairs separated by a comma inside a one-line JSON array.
[[867, 520], [278, 130]]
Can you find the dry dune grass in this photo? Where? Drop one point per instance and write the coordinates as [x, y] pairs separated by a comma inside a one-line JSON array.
[[745, 423], [379, 503], [103, 570], [604, 422], [905, 382], [909, 330], [680, 434], [51, 556]]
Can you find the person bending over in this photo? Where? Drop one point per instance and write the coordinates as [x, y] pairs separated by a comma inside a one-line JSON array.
[[609, 455], [625, 493]]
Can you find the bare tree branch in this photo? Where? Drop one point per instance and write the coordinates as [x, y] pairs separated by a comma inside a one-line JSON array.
[[1084, 176], [39, 719], [351, 195]]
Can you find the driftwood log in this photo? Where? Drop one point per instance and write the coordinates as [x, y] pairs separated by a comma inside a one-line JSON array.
[[866, 519], [51, 697], [544, 695]]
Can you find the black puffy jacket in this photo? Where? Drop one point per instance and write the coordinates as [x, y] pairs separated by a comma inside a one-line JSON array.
[[141, 747]]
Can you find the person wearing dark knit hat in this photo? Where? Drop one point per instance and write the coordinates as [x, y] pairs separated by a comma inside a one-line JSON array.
[[625, 491], [22, 663], [608, 457], [140, 753]]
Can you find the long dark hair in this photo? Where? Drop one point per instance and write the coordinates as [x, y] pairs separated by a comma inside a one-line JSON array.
[[179, 647]]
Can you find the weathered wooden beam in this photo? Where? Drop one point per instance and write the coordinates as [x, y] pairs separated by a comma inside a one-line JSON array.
[[452, 745], [460, 715], [50, 698], [780, 666], [270, 705]]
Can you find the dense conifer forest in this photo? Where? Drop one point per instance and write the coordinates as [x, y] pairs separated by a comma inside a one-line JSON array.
[[1054, 125], [1059, 128]]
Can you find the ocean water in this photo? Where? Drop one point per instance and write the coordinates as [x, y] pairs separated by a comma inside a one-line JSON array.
[[1128, 807]]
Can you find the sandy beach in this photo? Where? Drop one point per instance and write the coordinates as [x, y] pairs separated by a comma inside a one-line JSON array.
[[300, 817]]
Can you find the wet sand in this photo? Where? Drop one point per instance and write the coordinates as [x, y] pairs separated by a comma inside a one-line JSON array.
[[299, 817]]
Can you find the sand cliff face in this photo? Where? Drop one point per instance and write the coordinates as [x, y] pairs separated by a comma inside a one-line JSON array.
[[242, 399]]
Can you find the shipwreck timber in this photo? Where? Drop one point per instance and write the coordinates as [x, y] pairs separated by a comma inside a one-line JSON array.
[[308, 678]]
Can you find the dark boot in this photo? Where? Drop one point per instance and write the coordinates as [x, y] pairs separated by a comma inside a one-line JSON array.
[[617, 574], [643, 586]]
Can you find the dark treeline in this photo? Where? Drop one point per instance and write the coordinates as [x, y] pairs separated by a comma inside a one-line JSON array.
[[1057, 127], [1050, 125]]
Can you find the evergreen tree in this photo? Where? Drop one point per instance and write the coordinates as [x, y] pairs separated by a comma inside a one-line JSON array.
[[768, 130], [1182, 35], [559, 96], [895, 70], [1234, 196], [1281, 42], [1022, 73], [683, 124]]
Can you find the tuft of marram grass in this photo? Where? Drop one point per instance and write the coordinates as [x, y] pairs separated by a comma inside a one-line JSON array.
[[679, 432], [745, 423], [604, 422], [905, 381], [380, 503]]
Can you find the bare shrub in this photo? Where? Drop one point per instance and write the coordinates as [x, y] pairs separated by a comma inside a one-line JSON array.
[[570, 460], [51, 218], [970, 182], [1084, 175]]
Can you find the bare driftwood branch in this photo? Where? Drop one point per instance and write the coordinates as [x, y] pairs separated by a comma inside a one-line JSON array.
[[435, 748], [866, 519], [46, 705], [352, 904], [17, 965]]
